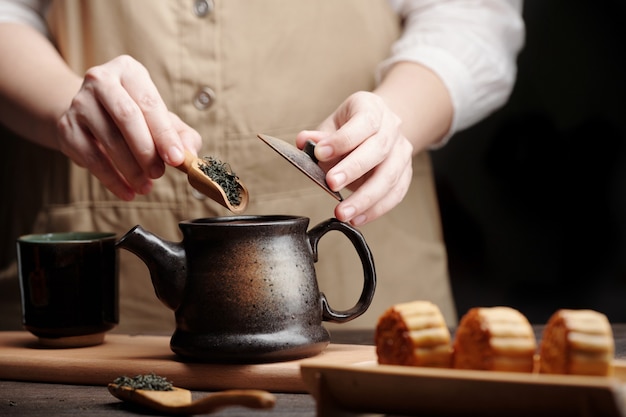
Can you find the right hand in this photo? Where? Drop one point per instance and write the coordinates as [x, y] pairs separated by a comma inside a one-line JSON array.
[[119, 128], [361, 146]]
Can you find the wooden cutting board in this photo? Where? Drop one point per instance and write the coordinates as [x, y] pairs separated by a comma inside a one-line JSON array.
[[22, 359]]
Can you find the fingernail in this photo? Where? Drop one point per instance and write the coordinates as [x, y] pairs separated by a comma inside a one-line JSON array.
[[127, 194], [175, 156], [338, 180], [323, 152], [348, 212], [146, 188], [359, 220]]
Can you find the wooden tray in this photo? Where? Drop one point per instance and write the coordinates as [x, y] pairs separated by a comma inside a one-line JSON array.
[[23, 359], [342, 390]]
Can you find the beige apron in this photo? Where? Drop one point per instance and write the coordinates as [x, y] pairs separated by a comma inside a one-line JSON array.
[[231, 71]]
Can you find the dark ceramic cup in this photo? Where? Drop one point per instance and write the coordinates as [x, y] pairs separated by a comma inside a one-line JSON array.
[[69, 287], [244, 288]]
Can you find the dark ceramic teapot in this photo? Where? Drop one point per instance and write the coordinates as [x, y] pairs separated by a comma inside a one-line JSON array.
[[244, 288]]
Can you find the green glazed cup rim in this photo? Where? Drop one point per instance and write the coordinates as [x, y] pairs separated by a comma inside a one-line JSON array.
[[66, 237]]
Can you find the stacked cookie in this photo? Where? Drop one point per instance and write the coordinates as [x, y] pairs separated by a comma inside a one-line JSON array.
[[413, 334], [495, 339], [577, 342]]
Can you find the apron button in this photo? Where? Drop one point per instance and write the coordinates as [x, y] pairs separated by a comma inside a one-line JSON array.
[[204, 98], [201, 8]]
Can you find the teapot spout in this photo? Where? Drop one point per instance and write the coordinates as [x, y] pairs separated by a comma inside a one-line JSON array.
[[165, 260]]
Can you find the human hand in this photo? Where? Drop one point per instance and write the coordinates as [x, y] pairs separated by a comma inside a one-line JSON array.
[[361, 146], [119, 128]]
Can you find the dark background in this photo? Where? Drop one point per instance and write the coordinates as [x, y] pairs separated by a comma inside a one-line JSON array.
[[533, 198]]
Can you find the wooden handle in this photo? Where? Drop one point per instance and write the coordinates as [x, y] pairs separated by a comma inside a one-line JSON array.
[[258, 399]]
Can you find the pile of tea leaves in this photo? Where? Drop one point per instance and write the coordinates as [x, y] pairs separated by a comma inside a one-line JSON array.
[[150, 382], [221, 173]]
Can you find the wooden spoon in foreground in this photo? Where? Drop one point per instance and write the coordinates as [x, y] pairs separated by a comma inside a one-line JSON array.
[[205, 184], [179, 400]]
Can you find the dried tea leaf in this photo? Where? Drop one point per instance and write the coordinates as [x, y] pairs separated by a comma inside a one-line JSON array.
[[221, 173], [150, 382]]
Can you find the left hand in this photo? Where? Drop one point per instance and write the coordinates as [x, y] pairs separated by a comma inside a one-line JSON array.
[[361, 147]]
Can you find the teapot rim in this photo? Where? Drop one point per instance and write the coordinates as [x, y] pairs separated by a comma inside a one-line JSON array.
[[246, 220]]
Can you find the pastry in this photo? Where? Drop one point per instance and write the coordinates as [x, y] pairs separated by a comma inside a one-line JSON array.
[[415, 334], [577, 342], [494, 339]]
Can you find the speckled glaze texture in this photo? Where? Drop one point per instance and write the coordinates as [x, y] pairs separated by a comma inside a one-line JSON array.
[[250, 292]]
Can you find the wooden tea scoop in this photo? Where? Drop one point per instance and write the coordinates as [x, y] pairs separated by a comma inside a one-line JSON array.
[[207, 186], [179, 401]]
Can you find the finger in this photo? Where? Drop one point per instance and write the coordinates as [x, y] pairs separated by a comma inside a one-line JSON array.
[[313, 135], [359, 117], [381, 190], [104, 82], [91, 116], [160, 124], [127, 92], [189, 137], [358, 163], [361, 208], [383, 206], [323, 130], [120, 153], [104, 169], [354, 132], [81, 147]]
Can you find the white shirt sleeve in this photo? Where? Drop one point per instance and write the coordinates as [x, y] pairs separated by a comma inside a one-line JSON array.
[[472, 45], [30, 12]]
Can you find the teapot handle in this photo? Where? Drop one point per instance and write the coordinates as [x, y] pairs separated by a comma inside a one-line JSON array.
[[367, 261]]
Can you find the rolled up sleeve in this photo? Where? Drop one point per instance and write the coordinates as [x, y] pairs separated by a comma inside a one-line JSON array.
[[471, 45], [29, 12]]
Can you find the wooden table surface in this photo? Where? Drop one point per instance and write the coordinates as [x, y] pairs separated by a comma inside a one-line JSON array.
[[44, 399]]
